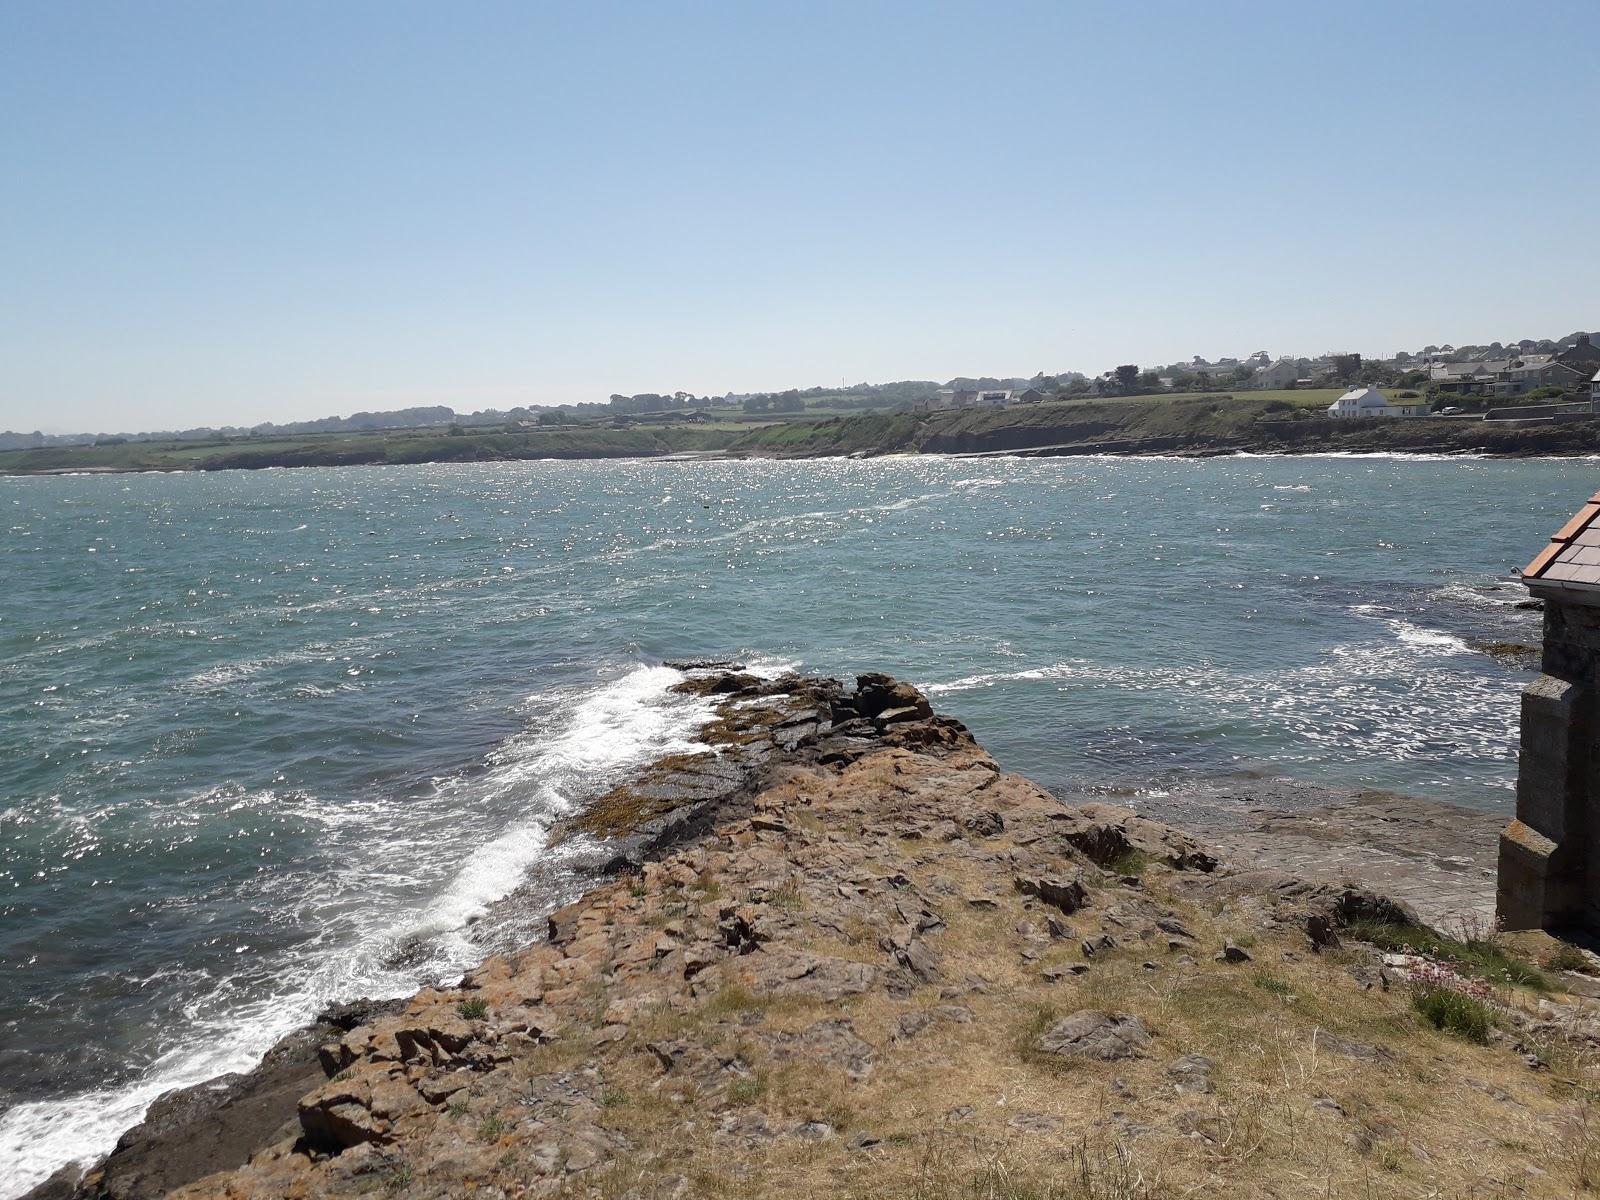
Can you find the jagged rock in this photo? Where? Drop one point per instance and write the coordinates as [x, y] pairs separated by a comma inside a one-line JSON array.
[[338, 1115], [1231, 953], [1065, 892], [877, 695], [1105, 833], [985, 824], [720, 683], [1089, 1033]]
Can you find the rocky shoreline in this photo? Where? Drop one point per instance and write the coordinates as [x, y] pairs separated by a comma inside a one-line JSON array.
[[842, 952]]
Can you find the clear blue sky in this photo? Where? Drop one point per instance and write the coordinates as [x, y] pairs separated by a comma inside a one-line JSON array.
[[231, 212]]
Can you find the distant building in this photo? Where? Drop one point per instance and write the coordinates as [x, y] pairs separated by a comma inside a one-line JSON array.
[[1031, 396], [955, 398], [1582, 357], [1281, 374], [992, 399], [1370, 402]]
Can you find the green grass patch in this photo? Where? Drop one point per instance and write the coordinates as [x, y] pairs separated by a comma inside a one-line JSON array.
[[1129, 862], [1453, 1012], [1481, 957], [473, 1010], [493, 1128], [1271, 984], [747, 1090], [400, 1177], [1025, 1042]]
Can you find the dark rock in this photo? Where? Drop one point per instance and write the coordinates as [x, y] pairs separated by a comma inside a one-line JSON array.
[[1065, 892], [1231, 953], [878, 694], [1321, 932], [985, 824]]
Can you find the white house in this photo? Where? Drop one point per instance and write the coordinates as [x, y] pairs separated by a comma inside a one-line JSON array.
[[1370, 402]]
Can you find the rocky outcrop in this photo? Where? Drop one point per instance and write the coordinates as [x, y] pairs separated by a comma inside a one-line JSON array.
[[839, 925]]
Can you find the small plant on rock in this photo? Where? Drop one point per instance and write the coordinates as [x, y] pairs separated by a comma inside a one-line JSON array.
[[1130, 862], [473, 1010], [1565, 958], [402, 1176], [493, 1128]]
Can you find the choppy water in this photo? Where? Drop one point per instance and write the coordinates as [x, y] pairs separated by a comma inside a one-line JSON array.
[[270, 739]]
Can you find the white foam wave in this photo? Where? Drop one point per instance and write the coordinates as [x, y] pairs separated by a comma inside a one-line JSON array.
[[1412, 634], [990, 679], [540, 775]]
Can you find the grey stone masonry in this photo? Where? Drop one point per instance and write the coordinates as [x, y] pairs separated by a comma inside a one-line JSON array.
[[1549, 871]]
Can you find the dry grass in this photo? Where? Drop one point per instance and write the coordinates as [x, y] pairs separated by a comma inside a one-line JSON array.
[[1288, 1117], [1422, 1113]]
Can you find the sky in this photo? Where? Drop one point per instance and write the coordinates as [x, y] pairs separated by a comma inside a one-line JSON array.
[[228, 213]]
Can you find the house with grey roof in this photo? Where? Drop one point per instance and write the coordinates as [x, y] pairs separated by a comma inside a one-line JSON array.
[[1549, 876]]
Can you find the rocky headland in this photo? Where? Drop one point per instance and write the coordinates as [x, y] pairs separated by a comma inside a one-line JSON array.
[[842, 953]]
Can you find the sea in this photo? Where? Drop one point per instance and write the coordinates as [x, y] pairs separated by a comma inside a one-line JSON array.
[[275, 739]]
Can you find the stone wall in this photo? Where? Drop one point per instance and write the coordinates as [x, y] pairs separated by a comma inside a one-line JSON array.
[[1549, 874]]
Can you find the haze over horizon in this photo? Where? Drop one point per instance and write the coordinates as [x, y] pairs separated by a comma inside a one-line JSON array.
[[226, 215]]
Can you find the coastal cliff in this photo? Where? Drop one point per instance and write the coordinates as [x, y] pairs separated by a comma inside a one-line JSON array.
[[843, 953], [1202, 425]]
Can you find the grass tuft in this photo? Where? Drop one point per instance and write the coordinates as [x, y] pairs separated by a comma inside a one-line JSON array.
[[1129, 862], [1453, 1012], [400, 1177], [473, 1010], [1271, 984]]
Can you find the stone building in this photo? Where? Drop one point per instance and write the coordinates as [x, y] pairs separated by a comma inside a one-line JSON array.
[[1550, 854]]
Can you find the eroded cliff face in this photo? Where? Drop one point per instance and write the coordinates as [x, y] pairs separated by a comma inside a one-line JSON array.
[[869, 962]]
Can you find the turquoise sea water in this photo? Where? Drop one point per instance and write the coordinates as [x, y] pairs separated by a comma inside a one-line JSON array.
[[272, 739]]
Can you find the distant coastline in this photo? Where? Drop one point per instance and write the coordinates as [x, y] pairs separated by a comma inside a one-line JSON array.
[[1199, 425]]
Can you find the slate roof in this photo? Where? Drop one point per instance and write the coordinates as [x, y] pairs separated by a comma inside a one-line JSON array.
[[1572, 559]]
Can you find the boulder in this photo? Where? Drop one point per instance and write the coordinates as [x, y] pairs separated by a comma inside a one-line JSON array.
[[1089, 1033], [1191, 1073]]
